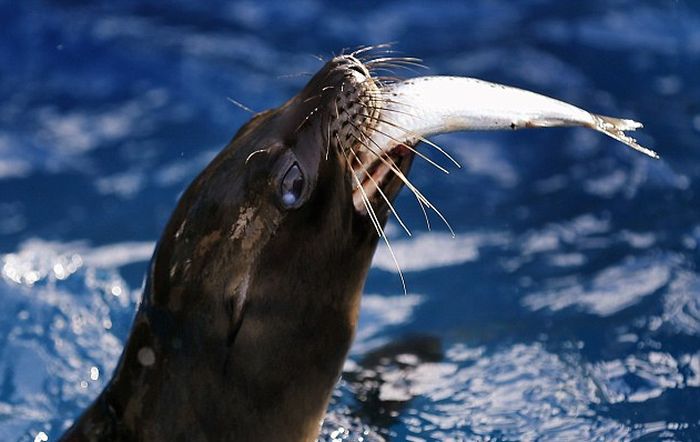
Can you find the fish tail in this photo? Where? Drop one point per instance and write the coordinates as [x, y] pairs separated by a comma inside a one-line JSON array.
[[616, 127]]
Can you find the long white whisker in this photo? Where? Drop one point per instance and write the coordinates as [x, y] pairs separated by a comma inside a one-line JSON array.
[[411, 148], [401, 176], [406, 66], [364, 49], [415, 60], [408, 184], [367, 203], [375, 219], [419, 138], [241, 105], [379, 189]]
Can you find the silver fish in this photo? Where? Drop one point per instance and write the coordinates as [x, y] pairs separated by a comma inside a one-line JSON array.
[[423, 106]]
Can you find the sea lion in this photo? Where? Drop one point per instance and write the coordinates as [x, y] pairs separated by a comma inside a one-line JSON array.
[[252, 294]]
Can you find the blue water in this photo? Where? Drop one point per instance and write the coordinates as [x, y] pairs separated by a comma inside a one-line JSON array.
[[566, 308]]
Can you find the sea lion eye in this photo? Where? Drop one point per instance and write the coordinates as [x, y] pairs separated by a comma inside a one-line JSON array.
[[292, 186]]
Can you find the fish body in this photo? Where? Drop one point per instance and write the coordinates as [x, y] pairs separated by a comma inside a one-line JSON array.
[[437, 104]]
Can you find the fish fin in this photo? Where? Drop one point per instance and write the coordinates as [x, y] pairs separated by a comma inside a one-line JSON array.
[[616, 127]]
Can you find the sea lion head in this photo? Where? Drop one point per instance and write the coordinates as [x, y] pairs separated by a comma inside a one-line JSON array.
[[299, 194]]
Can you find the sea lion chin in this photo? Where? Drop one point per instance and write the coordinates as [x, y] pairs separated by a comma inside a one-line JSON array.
[[253, 292]]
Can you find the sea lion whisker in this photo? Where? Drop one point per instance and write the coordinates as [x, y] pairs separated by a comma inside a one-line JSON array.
[[396, 262], [387, 69], [396, 111], [370, 55], [241, 105], [408, 184], [386, 65], [410, 133], [382, 96], [335, 102], [377, 224], [408, 146], [403, 58], [397, 64], [408, 63], [371, 108], [402, 176], [366, 202], [296, 75], [364, 49], [313, 97], [328, 141], [441, 216], [381, 192], [435, 146], [363, 195], [314, 110], [418, 194], [382, 234], [255, 152], [379, 53], [318, 57], [425, 215], [385, 79], [413, 60], [309, 115], [394, 167], [388, 161], [420, 138], [420, 203]]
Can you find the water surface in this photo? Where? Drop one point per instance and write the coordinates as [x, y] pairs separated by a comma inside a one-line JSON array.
[[566, 308]]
